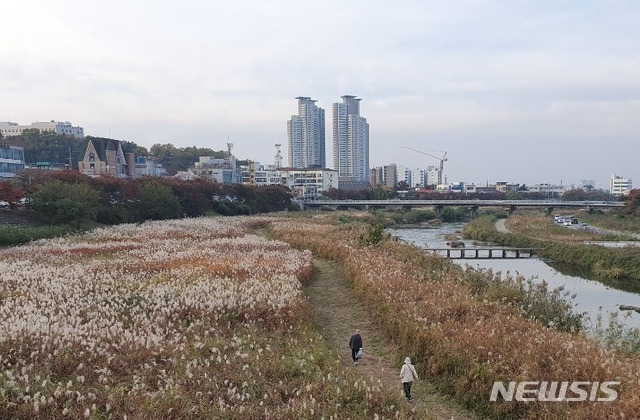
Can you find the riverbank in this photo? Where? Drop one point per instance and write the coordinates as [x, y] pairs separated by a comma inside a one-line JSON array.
[[601, 261], [430, 308]]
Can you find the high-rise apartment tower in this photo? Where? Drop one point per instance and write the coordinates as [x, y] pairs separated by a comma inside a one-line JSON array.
[[306, 135], [350, 140]]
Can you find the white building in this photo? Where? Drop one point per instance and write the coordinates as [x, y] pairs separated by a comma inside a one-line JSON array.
[[11, 160], [57, 127], [422, 178], [261, 175], [548, 188], [306, 135], [350, 140], [322, 179], [220, 170], [147, 167], [619, 185], [405, 174]]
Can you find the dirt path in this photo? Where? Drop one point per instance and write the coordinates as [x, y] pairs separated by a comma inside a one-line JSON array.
[[501, 227], [337, 313]]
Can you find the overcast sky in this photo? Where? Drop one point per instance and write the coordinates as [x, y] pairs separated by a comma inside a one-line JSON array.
[[518, 91]]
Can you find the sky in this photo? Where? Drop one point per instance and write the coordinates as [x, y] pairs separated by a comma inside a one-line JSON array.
[[518, 91]]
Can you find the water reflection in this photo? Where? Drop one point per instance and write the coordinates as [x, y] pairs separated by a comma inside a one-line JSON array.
[[592, 296]]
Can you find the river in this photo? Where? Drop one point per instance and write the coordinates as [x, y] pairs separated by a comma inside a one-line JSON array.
[[592, 296]]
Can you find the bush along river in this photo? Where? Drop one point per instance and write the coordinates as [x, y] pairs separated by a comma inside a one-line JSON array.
[[592, 297]]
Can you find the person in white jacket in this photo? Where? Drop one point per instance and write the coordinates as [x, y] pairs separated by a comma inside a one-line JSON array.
[[408, 374]]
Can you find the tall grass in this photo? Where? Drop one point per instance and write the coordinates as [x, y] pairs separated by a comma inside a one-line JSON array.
[[192, 318], [464, 343], [606, 262]]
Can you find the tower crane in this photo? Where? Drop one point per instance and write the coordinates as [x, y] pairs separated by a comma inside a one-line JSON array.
[[442, 160]]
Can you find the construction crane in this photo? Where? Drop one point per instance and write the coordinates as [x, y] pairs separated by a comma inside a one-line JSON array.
[[442, 160]]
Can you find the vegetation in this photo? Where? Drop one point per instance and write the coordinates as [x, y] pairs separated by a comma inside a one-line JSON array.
[[373, 235], [11, 193], [156, 202], [15, 235], [192, 318], [67, 150], [112, 200], [620, 221], [463, 333], [606, 262], [175, 159], [63, 203]]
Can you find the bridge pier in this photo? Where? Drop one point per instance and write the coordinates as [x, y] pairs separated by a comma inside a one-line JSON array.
[[438, 210], [549, 211], [473, 212], [510, 210]]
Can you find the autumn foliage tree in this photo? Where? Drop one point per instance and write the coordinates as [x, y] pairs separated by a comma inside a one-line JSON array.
[[633, 201], [11, 193]]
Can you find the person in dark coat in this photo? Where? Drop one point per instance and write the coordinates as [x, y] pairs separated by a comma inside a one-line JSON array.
[[355, 344]]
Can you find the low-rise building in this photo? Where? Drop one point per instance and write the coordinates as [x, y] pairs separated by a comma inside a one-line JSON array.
[[147, 167], [620, 185], [9, 129], [548, 189], [220, 170], [502, 186], [11, 160], [260, 175], [107, 157], [322, 179]]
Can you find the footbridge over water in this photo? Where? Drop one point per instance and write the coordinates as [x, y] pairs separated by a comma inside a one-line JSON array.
[[484, 252], [473, 205]]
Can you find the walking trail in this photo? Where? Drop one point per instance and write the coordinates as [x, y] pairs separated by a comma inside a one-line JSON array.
[[337, 313]]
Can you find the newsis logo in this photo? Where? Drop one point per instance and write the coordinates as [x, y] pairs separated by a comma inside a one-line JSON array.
[[555, 391]]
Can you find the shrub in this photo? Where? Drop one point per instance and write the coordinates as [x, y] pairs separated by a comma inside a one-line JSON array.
[[157, 203], [15, 235], [63, 203]]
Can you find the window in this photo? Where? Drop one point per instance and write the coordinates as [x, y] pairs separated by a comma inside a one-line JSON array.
[[92, 158]]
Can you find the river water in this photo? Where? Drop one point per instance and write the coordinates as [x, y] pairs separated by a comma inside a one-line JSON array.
[[592, 296]]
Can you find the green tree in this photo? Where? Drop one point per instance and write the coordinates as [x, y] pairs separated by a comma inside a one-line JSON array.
[[379, 192], [140, 151], [63, 203], [575, 195], [174, 159], [157, 202]]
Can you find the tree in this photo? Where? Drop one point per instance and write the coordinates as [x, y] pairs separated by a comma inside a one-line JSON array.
[[157, 202], [11, 193], [402, 186], [379, 193], [63, 203], [575, 195], [174, 159], [141, 151], [633, 200]]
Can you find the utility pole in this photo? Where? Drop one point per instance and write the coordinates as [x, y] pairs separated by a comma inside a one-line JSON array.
[[70, 158]]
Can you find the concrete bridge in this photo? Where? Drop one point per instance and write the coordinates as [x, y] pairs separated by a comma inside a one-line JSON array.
[[484, 253], [473, 205]]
